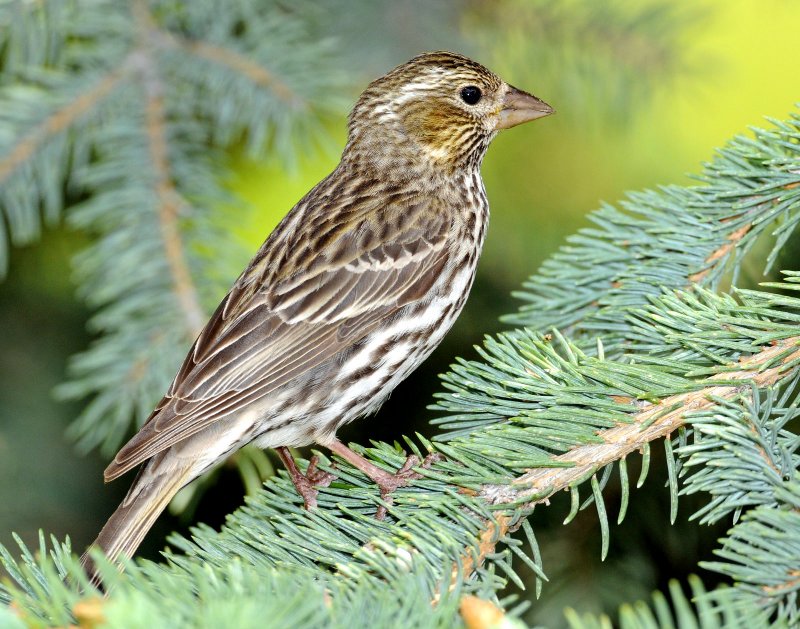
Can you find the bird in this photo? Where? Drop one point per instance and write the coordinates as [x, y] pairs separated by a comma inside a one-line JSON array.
[[352, 290]]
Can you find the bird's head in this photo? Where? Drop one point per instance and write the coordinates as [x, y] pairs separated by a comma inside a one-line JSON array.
[[441, 107]]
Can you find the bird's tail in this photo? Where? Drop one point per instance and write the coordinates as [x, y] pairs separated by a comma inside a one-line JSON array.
[[155, 485]]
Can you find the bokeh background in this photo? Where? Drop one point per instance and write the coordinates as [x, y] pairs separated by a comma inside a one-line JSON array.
[[644, 90]]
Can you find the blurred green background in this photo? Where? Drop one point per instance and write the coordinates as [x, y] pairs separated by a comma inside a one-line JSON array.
[[644, 93]]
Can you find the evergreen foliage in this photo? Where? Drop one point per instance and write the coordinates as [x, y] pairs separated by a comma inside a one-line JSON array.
[[629, 338], [129, 105]]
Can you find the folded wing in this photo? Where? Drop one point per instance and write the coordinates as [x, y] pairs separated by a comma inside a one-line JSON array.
[[274, 327]]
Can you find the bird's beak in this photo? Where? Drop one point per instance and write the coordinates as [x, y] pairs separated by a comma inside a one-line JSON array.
[[519, 107]]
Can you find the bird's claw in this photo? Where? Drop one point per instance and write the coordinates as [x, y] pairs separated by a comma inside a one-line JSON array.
[[401, 478], [308, 484], [318, 477]]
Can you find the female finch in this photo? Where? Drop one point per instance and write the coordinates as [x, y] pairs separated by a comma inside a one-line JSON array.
[[351, 291]]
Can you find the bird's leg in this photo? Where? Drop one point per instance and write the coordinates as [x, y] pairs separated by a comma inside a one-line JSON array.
[[384, 480], [306, 484]]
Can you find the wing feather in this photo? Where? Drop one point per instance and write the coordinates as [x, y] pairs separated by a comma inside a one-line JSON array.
[[266, 333]]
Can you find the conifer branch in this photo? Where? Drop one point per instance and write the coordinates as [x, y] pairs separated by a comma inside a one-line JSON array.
[[779, 589], [58, 122], [721, 252], [215, 53], [255, 72], [679, 235], [494, 530], [654, 421], [170, 202]]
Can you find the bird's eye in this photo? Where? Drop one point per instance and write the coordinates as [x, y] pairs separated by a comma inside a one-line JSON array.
[[471, 94]]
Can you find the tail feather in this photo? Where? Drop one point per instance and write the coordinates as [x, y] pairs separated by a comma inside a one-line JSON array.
[[151, 492]]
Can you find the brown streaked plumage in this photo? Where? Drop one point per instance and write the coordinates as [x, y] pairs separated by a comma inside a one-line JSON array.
[[350, 292]]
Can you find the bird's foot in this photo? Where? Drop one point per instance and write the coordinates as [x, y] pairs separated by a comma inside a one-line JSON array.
[[308, 484], [387, 483], [318, 477]]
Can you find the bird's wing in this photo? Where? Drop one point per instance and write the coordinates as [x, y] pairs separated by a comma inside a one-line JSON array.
[[274, 326]]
